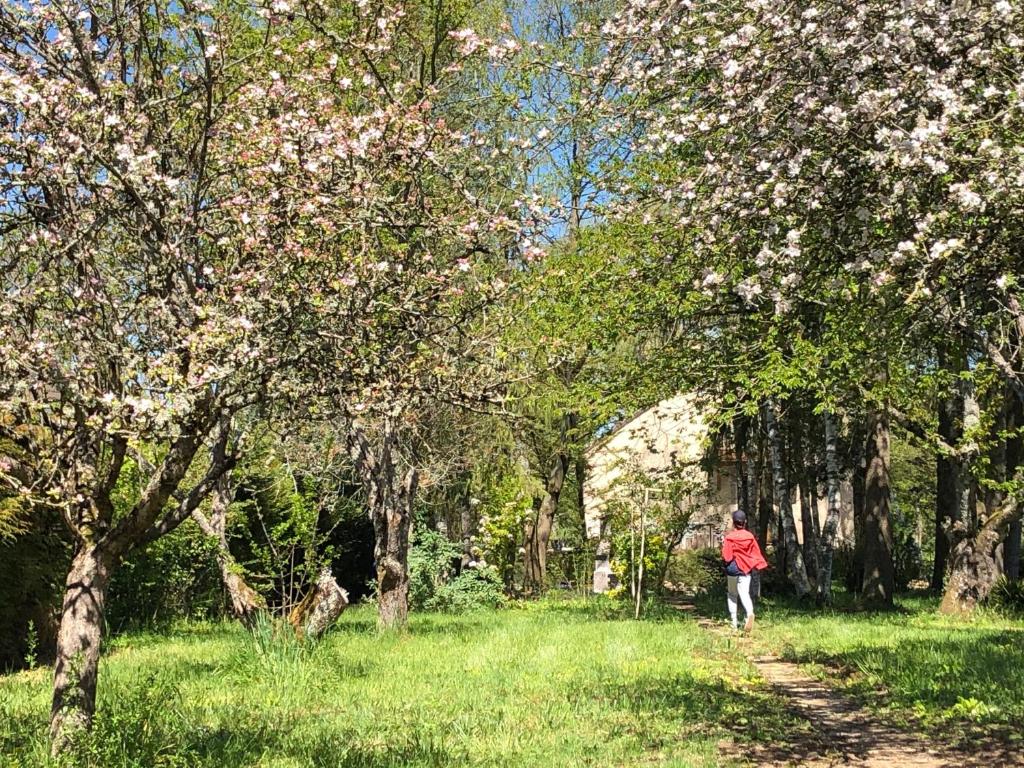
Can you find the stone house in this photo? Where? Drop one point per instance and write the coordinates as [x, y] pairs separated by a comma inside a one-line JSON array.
[[672, 438]]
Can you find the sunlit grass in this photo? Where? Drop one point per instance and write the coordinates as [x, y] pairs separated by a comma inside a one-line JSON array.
[[946, 672], [557, 683]]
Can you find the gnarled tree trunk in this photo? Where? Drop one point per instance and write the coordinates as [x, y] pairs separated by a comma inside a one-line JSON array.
[[320, 608], [537, 528], [975, 559], [794, 558], [879, 578], [78, 645], [390, 502], [246, 603]]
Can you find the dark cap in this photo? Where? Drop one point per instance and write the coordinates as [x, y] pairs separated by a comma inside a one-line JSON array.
[[739, 517]]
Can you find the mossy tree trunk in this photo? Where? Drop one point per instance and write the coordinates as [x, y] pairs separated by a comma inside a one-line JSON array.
[[246, 603]]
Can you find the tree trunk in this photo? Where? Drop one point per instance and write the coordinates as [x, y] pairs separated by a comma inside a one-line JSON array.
[[246, 603], [320, 608], [794, 558], [809, 550], [537, 530], [392, 529], [390, 503], [830, 532], [947, 482], [878, 585], [975, 563], [1014, 456], [855, 578], [764, 500], [78, 646]]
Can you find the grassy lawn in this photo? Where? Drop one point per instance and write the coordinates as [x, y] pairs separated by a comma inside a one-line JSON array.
[[958, 676], [563, 683], [554, 683]]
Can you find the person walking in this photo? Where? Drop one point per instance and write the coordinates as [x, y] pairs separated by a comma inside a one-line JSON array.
[[742, 557]]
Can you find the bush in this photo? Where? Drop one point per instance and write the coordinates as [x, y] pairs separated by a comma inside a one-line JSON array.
[[175, 577], [431, 565], [699, 570], [472, 590], [434, 584]]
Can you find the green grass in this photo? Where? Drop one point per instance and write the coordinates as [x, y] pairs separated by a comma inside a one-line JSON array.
[[554, 683], [958, 676], [564, 683]]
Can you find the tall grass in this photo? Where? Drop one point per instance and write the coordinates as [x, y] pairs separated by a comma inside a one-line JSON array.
[[556, 683]]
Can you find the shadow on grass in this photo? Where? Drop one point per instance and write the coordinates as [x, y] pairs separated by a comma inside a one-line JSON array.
[[962, 684], [691, 706]]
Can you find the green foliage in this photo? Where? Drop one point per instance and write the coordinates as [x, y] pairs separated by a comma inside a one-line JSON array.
[[435, 586], [501, 524], [31, 645], [32, 570], [474, 589], [431, 566], [1007, 597], [174, 577], [699, 570]]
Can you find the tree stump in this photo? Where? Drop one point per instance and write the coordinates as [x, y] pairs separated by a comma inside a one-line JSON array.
[[320, 608]]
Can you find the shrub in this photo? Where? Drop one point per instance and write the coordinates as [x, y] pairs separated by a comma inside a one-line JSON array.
[[472, 590], [696, 569], [434, 584], [431, 566]]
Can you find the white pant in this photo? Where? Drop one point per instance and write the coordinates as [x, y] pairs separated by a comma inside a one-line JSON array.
[[739, 588]]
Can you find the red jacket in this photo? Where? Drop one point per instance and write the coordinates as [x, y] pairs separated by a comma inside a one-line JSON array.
[[741, 546]]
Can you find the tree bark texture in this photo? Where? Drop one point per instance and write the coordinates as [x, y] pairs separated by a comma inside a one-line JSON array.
[[830, 532], [809, 549], [78, 646], [537, 528], [794, 558], [855, 577], [390, 501], [319, 609], [764, 501], [947, 483], [879, 577], [975, 563], [246, 603]]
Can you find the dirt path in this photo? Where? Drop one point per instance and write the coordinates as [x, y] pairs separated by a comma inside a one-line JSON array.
[[840, 731]]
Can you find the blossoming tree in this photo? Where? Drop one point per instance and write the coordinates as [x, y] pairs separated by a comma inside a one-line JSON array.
[[833, 154], [205, 208]]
